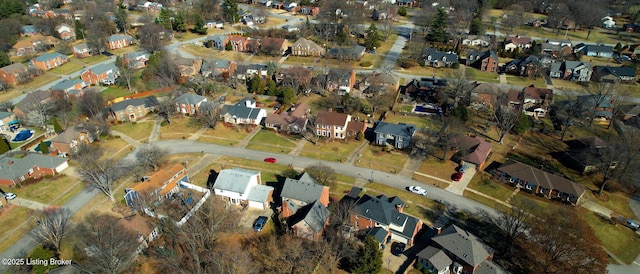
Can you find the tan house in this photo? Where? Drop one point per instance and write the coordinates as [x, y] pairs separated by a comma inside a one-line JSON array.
[[306, 47], [133, 109], [81, 50], [332, 124], [34, 43], [70, 139]]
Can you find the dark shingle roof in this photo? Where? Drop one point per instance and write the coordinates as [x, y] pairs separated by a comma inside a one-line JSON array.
[[305, 189], [489, 267], [400, 129], [436, 257], [190, 99], [463, 244], [381, 209], [379, 234], [541, 178], [439, 55], [150, 101], [242, 111]]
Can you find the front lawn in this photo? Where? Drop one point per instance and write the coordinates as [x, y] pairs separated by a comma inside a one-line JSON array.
[[329, 150], [113, 92], [482, 76], [93, 59], [228, 132], [45, 190], [67, 68], [482, 183], [269, 137], [115, 147], [181, 127], [39, 81], [484, 200], [437, 168], [138, 131], [526, 81], [428, 71], [617, 238], [11, 220], [374, 157]]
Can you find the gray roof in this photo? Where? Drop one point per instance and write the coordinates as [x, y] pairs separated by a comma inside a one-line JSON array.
[[305, 189], [69, 134], [4, 114], [235, 179], [436, 257], [259, 193], [14, 67], [241, 111], [379, 234], [541, 178], [399, 129], [118, 37], [150, 101], [28, 29], [12, 168], [617, 71], [590, 101], [482, 54], [66, 84], [317, 216], [218, 38], [598, 48], [440, 55], [381, 209], [489, 267], [48, 56], [190, 99], [463, 244], [99, 69]]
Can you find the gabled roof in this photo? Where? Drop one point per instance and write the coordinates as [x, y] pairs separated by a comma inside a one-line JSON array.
[[164, 180], [15, 67], [598, 48], [517, 40], [617, 71], [218, 38], [137, 54], [541, 178], [399, 129], [440, 55], [590, 101], [235, 179], [300, 110], [481, 55], [102, 68], [66, 84], [81, 46], [339, 75], [241, 111], [379, 234], [4, 114], [349, 52], [49, 56], [260, 193], [305, 189], [137, 224], [489, 267], [190, 99], [119, 37], [479, 149], [315, 215], [486, 88], [148, 102], [33, 98], [306, 43], [532, 92], [436, 257], [574, 64], [13, 168], [464, 245], [70, 134], [273, 43], [381, 209], [331, 118]]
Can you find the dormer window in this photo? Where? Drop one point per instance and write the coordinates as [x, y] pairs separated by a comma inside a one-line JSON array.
[[444, 58], [429, 57]]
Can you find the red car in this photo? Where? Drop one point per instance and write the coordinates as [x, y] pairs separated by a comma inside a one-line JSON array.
[[270, 160], [457, 176]]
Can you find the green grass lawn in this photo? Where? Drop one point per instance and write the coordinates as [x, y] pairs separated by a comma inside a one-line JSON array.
[[10, 219], [525, 81], [113, 92], [483, 76], [437, 168], [269, 137], [226, 132], [72, 192], [37, 82], [137, 131], [268, 148], [373, 157], [330, 150], [181, 125], [255, 165], [484, 200], [67, 68], [46, 190], [616, 238], [420, 121], [482, 183], [93, 59], [218, 141]]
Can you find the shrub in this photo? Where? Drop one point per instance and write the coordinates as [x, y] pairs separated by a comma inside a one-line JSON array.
[[402, 11], [48, 176], [408, 63], [365, 64], [134, 123]]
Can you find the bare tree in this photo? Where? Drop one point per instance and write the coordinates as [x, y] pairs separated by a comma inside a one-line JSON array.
[[162, 69], [380, 102], [514, 220], [516, 16], [600, 93], [421, 145], [505, 119], [150, 38], [284, 254], [104, 245], [629, 160], [208, 115], [97, 29], [91, 104], [323, 174], [201, 85], [38, 114], [166, 107], [99, 172], [126, 73], [52, 226], [151, 155], [458, 86]]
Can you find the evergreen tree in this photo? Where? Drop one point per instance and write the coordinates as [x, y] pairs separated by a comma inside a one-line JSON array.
[[369, 257], [164, 19], [230, 10], [78, 29], [477, 28], [44, 148], [228, 46], [287, 95], [179, 23], [523, 124], [341, 37], [373, 38], [271, 88], [56, 125], [4, 145], [198, 25], [438, 31], [255, 86], [462, 113], [121, 19], [4, 59]]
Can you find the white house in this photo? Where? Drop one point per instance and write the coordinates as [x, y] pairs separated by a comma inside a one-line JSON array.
[[240, 186]]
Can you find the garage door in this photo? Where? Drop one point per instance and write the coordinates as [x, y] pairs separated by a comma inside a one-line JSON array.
[[397, 238]]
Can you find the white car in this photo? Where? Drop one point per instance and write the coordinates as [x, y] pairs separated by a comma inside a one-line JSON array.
[[9, 196], [418, 190]]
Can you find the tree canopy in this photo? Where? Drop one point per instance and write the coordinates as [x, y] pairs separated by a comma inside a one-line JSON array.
[[438, 31]]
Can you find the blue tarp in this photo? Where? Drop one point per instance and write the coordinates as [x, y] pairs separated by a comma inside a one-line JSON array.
[[23, 135]]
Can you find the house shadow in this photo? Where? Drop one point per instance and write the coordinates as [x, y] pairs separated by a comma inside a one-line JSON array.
[[423, 238], [277, 191], [369, 134], [492, 166]]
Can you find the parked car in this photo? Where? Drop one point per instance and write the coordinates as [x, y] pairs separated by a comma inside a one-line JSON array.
[[397, 248], [259, 223], [9, 196], [270, 160], [463, 168], [418, 190], [457, 176]]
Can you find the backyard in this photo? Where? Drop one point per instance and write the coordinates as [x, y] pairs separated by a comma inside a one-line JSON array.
[[422, 122], [113, 92]]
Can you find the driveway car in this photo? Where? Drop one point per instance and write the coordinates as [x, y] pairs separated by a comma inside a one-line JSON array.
[[270, 160], [463, 168], [397, 248], [418, 190], [457, 176], [259, 223], [9, 196]]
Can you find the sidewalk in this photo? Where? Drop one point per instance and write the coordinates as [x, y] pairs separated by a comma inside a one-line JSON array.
[[356, 152], [246, 140], [126, 138], [155, 132], [298, 148]]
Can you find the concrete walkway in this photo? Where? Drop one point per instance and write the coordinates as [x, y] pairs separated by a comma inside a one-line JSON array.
[[411, 166], [28, 204], [593, 206], [351, 158], [198, 133], [126, 138], [246, 140], [299, 145], [155, 132], [503, 78]]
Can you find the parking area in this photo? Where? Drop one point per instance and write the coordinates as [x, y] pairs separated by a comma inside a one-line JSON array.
[[251, 214]]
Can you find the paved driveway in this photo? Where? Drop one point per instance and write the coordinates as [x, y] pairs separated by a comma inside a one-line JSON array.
[[251, 214], [459, 187]]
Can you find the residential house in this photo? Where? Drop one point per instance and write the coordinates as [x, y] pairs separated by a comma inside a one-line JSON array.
[[407, 3], [528, 66], [377, 83], [354, 128], [218, 41], [118, 41], [210, 24], [484, 95], [306, 47], [136, 60], [131, 110], [68, 141], [560, 42], [32, 166], [608, 22], [292, 121], [476, 40], [472, 150], [536, 101], [211, 68], [49, 61], [309, 10], [66, 32], [597, 50], [341, 80], [582, 154], [187, 67], [388, 13], [385, 212], [556, 50], [29, 30], [455, 250], [156, 186], [437, 59], [631, 51], [347, 53], [571, 70], [540, 182], [608, 74], [247, 71], [34, 43], [145, 231], [567, 23], [331, 124], [397, 135], [238, 43], [69, 85], [189, 103], [514, 99], [424, 88], [32, 101], [627, 112], [14, 74], [273, 46], [243, 113], [484, 61], [81, 50], [240, 186], [7, 119], [631, 27], [103, 73], [514, 42], [601, 106], [304, 204]]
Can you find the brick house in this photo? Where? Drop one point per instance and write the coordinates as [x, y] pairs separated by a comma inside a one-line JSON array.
[[133, 109], [472, 150], [66, 32], [31, 166], [49, 61], [397, 135], [217, 67], [304, 204], [81, 50], [332, 124], [103, 73], [118, 41], [309, 10], [14, 74], [536, 101], [293, 121], [528, 66], [341, 80], [32, 101], [68, 141], [484, 61], [238, 43], [189, 103], [306, 47], [571, 70], [514, 42], [136, 60], [218, 41]]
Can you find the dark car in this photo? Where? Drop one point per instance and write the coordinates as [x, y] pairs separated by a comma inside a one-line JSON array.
[[397, 248], [259, 223], [270, 160], [457, 176]]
